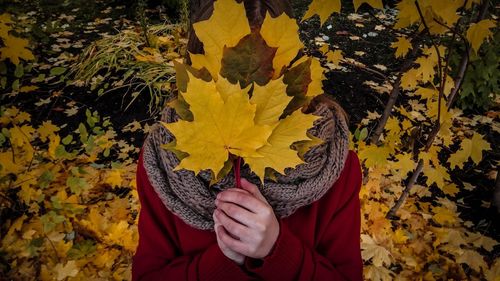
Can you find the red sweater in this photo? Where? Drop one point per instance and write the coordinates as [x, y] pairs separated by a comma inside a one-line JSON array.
[[320, 241]]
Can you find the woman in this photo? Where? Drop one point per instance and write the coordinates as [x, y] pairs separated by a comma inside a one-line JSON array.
[[305, 226]]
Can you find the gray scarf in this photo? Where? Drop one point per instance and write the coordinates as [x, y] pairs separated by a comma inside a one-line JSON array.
[[191, 199]]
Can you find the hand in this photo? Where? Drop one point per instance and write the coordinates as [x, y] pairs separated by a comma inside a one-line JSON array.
[[251, 228], [236, 257]]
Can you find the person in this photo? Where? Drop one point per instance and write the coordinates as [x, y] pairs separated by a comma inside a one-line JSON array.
[[303, 226]]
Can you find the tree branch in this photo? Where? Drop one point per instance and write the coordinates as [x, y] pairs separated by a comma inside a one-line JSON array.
[[458, 81]]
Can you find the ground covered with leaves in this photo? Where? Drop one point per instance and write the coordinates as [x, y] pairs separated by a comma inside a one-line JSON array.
[[71, 131]]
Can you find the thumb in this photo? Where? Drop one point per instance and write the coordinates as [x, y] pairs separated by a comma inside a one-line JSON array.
[[253, 189]]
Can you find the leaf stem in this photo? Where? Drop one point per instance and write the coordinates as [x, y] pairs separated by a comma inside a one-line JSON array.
[[237, 175]]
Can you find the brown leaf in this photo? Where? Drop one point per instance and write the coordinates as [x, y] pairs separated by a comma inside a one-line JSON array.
[[249, 61]]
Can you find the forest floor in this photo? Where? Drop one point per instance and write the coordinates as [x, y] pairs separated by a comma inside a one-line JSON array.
[[73, 212]]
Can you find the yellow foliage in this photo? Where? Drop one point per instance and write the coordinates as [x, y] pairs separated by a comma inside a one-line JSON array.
[[70, 269], [479, 32], [377, 4], [322, 8], [219, 128], [47, 129], [15, 49], [114, 178], [469, 148], [270, 100], [282, 33], [375, 155], [444, 216], [472, 259], [402, 46], [227, 25], [335, 57], [277, 154], [370, 250]]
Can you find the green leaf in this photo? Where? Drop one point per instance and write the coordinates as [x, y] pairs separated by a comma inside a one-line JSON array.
[[56, 71], [19, 72], [66, 140], [39, 78], [83, 133], [81, 249], [76, 184], [15, 85], [45, 179]]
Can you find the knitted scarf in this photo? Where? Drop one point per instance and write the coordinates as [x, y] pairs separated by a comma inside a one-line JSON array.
[[190, 197]]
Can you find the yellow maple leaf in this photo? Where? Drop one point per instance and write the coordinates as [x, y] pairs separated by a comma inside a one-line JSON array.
[[446, 10], [472, 259], [400, 236], [5, 22], [377, 4], [469, 148], [70, 269], [324, 48], [407, 15], [218, 128], [114, 178], [375, 155], [444, 216], [494, 272], [479, 240], [21, 135], [322, 8], [271, 100], [8, 164], [377, 273], [315, 88], [14, 49], [438, 175], [427, 93], [371, 250], [425, 71], [27, 89], [451, 189], [402, 46], [282, 33], [46, 129], [226, 88], [335, 56], [479, 32], [409, 79], [227, 25], [405, 163], [277, 154]]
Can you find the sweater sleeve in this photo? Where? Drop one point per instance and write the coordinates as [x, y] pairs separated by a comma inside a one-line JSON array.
[[157, 255], [337, 255]]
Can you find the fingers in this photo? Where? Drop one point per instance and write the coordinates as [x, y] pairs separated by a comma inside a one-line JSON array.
[[234, 244], [236, 212], [234, 228], [252, 188], [245, 200]]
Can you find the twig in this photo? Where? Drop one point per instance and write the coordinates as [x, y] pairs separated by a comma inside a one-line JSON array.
[[464, 63], [395, 91], [366, 68], [54, 248], [440, 67], [392, 212]]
